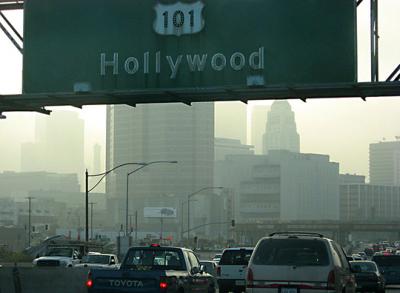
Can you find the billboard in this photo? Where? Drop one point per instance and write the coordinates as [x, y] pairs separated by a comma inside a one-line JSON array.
[[162, 45], [159, 212]]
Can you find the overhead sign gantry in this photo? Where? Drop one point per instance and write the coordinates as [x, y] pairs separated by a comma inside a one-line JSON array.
[[151, 51]]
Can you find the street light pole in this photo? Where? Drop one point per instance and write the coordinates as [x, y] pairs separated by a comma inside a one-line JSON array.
[[188, 203], [103, 175], [91, 219], [29, 219], [127, 187], [87, 205]]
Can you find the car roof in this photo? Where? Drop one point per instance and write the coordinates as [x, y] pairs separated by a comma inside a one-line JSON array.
[[239, 248], [295, 235]]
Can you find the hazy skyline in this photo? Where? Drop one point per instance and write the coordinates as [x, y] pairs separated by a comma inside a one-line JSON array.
[[341, 128]]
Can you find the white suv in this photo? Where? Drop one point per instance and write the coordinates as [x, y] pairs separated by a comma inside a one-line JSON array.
[[293, 262], [231, 270]]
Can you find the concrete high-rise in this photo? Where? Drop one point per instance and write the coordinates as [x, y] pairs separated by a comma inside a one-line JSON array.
[[58, 145], [158, 132], [384, 163], [281, 132], [231, 120]]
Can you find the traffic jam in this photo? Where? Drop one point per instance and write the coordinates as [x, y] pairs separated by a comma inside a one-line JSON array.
[[285, 262]]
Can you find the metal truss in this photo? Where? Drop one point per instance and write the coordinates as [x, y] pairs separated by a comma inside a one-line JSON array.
[[11, 4], [38, 102]]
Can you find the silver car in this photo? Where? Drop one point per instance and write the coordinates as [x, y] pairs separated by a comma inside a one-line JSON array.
[[298, 262]]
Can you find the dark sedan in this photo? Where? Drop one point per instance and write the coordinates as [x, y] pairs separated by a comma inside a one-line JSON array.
[[368, 277]]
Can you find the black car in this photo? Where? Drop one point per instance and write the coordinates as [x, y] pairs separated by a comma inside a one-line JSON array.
[[368, 277]]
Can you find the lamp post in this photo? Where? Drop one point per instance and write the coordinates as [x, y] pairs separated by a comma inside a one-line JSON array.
[[87, 190], [29, 219], [188, 203], [127, 186]]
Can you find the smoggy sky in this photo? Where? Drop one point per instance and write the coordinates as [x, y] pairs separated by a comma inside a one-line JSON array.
[[342, 128]]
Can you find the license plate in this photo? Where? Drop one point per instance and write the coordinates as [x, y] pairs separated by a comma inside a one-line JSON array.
[[288, 290], [240, 283]]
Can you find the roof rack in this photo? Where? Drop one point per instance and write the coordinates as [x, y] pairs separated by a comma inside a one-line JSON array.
[[297, 233]]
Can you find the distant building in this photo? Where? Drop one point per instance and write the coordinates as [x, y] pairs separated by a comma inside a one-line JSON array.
[[97, 166], [159, 132], [281, 186], [226, 146], [13, 238], [58, 145], [231, 120], [18, 185], [368, 202], [8, 212], [351, 179], [281, 132], [384, 163], [257, 127]]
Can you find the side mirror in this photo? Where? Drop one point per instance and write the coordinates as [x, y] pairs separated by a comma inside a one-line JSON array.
[[202, 268], [195, 271], [112, 262]]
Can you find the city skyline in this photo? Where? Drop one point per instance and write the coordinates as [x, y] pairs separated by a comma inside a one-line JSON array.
[[341, 128]]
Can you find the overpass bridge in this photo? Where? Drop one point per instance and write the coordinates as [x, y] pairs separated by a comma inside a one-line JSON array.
[[338, 230]]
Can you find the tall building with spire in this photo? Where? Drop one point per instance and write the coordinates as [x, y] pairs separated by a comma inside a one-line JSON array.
[[281, 132]]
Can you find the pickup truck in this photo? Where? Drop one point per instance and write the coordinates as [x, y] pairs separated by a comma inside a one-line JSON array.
[[97, 260], [153, 269], [58, 257]]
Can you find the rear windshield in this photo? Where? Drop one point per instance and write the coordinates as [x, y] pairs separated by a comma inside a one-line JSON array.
[[387, 260], [364, 266], [149, 259], [236, 257], [291, 252]]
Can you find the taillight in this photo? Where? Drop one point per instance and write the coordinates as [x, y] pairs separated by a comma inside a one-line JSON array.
[[218, 271], [331, 280], [163, 285], [89, 281], [250, 277]]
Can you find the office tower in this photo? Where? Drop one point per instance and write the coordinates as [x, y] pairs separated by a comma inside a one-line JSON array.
[[281, 132]]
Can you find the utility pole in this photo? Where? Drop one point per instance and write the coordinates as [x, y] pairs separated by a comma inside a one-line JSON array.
[[91, 219], [136, 226], [29, 219]]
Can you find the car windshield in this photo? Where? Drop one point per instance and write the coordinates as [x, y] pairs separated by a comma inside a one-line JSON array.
[[96, 259], [148, 259], [387, 260], [291, 252], [364, 267], [65, 252], [236, 257]]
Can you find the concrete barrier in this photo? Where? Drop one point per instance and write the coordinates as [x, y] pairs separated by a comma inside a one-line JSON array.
[[6, 280], [42, 280]]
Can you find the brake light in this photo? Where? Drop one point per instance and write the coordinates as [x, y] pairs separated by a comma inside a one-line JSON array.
[[331, 280], [163, 285], [155, 245], [219, 271], [89, 281], [250, 276]]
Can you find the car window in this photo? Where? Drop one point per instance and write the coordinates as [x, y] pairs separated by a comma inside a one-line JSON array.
[[341, 254], [147, 259], [387, 260], [236, 257], [194, 262], [364, 266], [299, 252]]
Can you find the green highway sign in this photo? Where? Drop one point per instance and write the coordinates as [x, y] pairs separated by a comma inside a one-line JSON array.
[[124, 45]]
